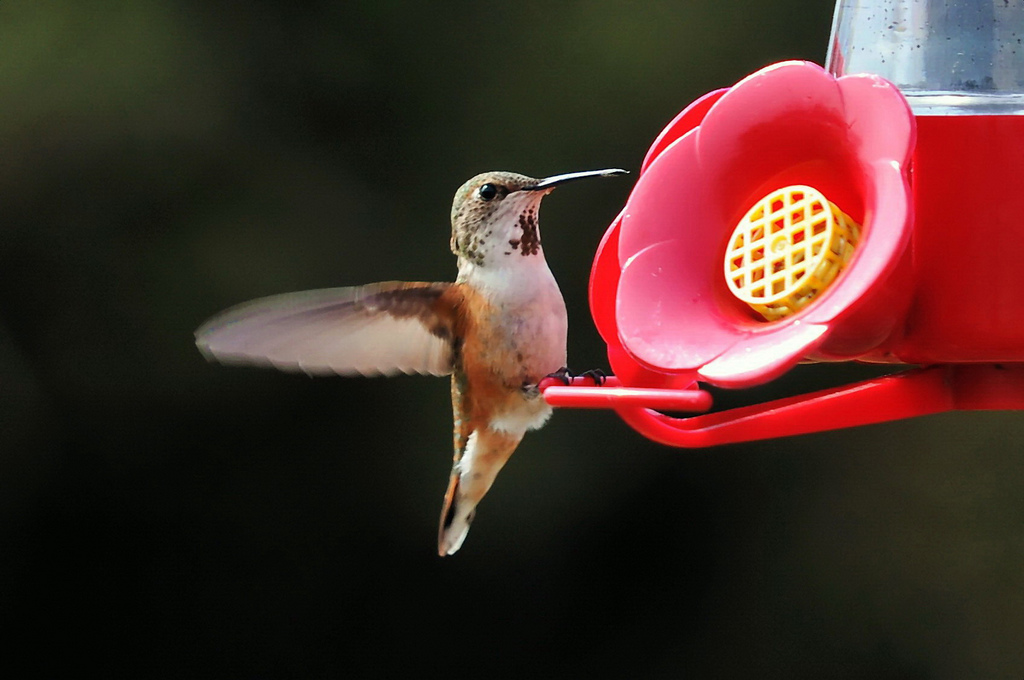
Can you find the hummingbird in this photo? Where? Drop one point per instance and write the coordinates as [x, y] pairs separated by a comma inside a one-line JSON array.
[[497, 330]]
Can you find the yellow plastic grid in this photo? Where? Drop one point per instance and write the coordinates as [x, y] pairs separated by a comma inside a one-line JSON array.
[[787, 249]]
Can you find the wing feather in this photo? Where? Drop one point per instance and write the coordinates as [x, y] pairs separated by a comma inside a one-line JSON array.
[[379, 329]]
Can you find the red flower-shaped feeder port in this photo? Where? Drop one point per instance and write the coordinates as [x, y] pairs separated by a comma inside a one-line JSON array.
[[737, 192]]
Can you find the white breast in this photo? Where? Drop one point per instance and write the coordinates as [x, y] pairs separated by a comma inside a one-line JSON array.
[[531, 324], [530, 307]]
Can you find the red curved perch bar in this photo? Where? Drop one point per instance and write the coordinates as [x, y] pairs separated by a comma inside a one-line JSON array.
[[918, 392]]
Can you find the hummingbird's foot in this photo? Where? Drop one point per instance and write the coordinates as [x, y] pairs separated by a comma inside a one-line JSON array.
[[563, 375]]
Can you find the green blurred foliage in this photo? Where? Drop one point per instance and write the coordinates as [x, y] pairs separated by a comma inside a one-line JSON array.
[[163, 517]]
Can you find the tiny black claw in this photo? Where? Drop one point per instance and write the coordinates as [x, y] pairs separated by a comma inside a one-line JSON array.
[[564, 375], [595, 374]]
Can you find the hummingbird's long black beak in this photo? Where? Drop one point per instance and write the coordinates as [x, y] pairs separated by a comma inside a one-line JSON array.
[[555, 180]]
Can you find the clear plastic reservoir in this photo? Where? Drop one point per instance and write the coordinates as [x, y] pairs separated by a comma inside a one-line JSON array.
[[948, 57]]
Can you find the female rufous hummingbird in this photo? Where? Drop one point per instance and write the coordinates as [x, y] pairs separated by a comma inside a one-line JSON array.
[[499, 329]]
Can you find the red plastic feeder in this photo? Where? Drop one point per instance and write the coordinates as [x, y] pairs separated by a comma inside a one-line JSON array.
[[805, 216]]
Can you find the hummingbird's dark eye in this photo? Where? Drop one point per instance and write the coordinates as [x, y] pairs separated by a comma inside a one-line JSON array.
[[487, 192]]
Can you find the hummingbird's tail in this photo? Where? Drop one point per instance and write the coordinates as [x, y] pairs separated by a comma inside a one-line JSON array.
[[474, 471]]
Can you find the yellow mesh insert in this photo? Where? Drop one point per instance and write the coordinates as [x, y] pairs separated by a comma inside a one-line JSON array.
[[788, 248]]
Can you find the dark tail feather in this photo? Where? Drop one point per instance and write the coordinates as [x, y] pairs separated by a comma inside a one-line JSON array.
[[456, 516]]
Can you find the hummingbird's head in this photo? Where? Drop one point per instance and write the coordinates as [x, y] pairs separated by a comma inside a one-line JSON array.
[[494, 215]]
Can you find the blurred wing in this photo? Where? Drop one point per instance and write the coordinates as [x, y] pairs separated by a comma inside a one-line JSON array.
[[379, 329]]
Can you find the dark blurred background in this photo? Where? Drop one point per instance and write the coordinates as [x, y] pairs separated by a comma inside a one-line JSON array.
[[162, 517]]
